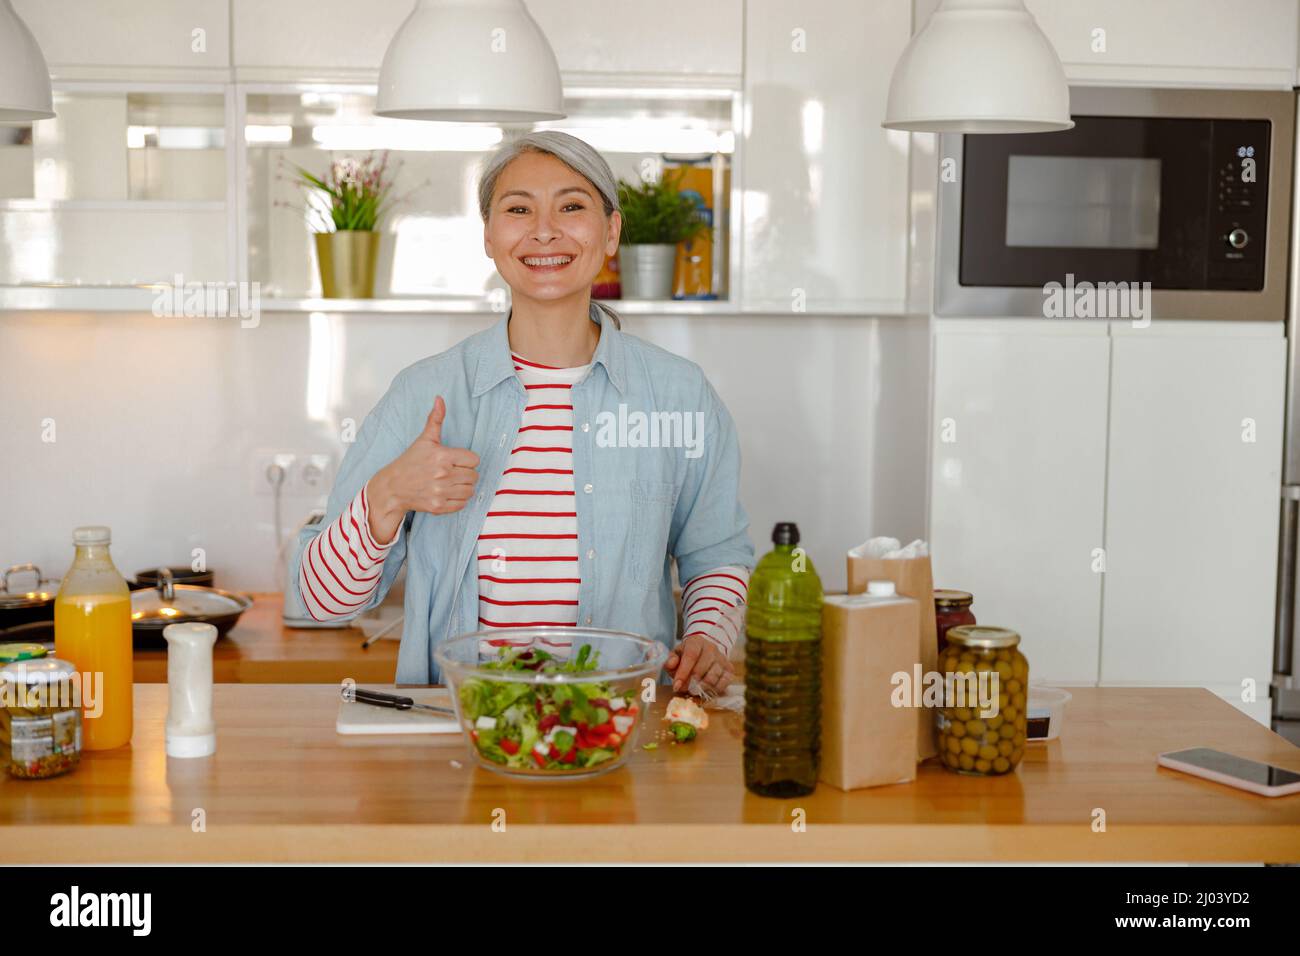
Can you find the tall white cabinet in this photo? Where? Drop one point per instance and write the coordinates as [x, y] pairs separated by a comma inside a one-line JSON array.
[[1192, 505], [1112, 493], [825, 197], [1018, 475]]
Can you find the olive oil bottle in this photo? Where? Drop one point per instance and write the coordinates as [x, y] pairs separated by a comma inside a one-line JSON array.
[[783, 669]]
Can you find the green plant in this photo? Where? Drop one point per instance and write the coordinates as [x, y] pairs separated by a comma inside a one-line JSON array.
[[355, 192], [656, 213]]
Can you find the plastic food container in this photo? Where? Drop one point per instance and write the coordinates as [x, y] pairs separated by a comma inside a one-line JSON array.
[[550, 702], [1046, 712]]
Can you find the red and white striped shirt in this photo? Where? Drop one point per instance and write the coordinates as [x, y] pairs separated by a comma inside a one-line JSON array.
[[528, 546]]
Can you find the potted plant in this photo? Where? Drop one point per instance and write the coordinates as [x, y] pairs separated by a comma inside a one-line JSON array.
[[656, 217], [347, 205]]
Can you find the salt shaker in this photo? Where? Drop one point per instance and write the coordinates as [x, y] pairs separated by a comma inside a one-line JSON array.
[[190, 731]]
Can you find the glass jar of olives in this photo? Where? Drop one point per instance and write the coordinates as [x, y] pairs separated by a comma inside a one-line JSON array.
[[981, 725]]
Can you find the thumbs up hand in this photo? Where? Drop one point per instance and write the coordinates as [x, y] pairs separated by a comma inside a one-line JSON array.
[[429, 476]]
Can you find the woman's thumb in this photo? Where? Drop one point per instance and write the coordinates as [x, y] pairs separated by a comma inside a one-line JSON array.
[[433, 424]]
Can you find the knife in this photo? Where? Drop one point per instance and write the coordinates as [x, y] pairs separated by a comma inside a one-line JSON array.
[[380, 699]]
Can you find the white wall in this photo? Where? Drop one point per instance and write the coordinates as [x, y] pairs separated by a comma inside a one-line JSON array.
[[159, 423]]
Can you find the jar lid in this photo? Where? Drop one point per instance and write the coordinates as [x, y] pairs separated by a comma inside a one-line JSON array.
[[21, 652], [49, 670], [978, 635], [92, 534], [946, 597]]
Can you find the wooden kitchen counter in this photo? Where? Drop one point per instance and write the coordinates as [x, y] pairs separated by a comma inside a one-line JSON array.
[[261, 650], [283, 786]]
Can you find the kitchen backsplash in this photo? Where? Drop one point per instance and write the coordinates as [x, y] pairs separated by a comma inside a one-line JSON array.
[[156, 427]]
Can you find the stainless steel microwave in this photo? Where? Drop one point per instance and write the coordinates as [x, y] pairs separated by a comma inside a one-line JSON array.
[[1188, 190]]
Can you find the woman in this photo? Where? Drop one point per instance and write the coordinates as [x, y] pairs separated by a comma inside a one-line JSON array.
[[549, 469]]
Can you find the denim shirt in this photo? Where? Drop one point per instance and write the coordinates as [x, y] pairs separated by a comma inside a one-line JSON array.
[[644, 495]]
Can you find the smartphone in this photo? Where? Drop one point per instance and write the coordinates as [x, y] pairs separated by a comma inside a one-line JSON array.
[[1261, 778]]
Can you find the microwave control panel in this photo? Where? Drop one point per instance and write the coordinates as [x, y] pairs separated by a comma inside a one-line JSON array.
[[1238, 207]]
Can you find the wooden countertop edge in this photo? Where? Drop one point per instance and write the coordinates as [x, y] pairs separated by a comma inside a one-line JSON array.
[[649, 843]]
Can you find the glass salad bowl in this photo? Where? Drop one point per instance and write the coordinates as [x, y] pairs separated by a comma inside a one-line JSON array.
[[554, 702]]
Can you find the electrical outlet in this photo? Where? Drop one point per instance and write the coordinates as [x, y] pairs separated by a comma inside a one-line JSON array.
[[314, 475], [264, 462]]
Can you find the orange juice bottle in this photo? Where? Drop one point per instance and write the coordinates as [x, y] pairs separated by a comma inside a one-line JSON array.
[[92, 630]]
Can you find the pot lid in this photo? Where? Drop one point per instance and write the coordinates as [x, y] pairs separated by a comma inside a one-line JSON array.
[[42, 590], [178, 573], [189, 602]]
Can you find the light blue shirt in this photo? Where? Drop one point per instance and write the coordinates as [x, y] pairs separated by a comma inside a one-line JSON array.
[[649, 488]]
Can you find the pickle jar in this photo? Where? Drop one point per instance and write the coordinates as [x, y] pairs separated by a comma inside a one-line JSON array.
[[981, 725], [40, 718], [951, 609]]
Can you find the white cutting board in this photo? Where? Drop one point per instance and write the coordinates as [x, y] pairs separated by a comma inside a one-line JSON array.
[[358, 718]]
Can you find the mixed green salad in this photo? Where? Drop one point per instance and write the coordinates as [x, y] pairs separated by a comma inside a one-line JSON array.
[[559, 727]]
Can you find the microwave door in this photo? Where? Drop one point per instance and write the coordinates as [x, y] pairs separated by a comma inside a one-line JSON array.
[[1115, 199]]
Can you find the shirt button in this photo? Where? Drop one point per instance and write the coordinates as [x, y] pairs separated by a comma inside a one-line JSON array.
[[586, 426], [588, 618], [591, 554], [587, 487]]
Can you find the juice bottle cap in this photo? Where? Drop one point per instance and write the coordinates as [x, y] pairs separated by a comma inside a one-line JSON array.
[[92, 534], [881, 588]]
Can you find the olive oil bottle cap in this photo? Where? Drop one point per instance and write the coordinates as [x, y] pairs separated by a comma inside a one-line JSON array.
[[785, 532]]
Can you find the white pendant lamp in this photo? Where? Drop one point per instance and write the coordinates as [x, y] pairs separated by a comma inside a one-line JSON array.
[[470, 60], [979, 66], [24, 78]]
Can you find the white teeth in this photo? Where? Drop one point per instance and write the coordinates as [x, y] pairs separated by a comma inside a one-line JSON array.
[[547, 260]]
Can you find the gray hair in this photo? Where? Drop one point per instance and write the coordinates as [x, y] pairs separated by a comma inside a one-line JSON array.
[[573, 152]]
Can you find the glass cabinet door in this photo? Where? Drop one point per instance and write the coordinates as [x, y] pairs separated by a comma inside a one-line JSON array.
[[432, 247], [122, 188]]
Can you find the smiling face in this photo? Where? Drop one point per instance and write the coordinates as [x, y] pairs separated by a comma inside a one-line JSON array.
[[546, 230]]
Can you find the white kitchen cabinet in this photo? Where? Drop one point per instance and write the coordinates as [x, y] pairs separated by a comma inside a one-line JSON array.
[[1192, 504], [824, 187], [1162, 446], [314, 39], [335, 39], [630, 36], [1197, 43], [121, 38], [1018, 457], [1211, 44]]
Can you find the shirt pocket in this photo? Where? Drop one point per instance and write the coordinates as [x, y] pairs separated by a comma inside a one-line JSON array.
[[651, 505]]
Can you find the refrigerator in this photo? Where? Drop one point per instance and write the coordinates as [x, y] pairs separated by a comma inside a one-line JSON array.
[[1286, 639]]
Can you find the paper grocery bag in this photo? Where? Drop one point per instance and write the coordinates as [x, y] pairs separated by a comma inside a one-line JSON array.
[[912, 578]]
